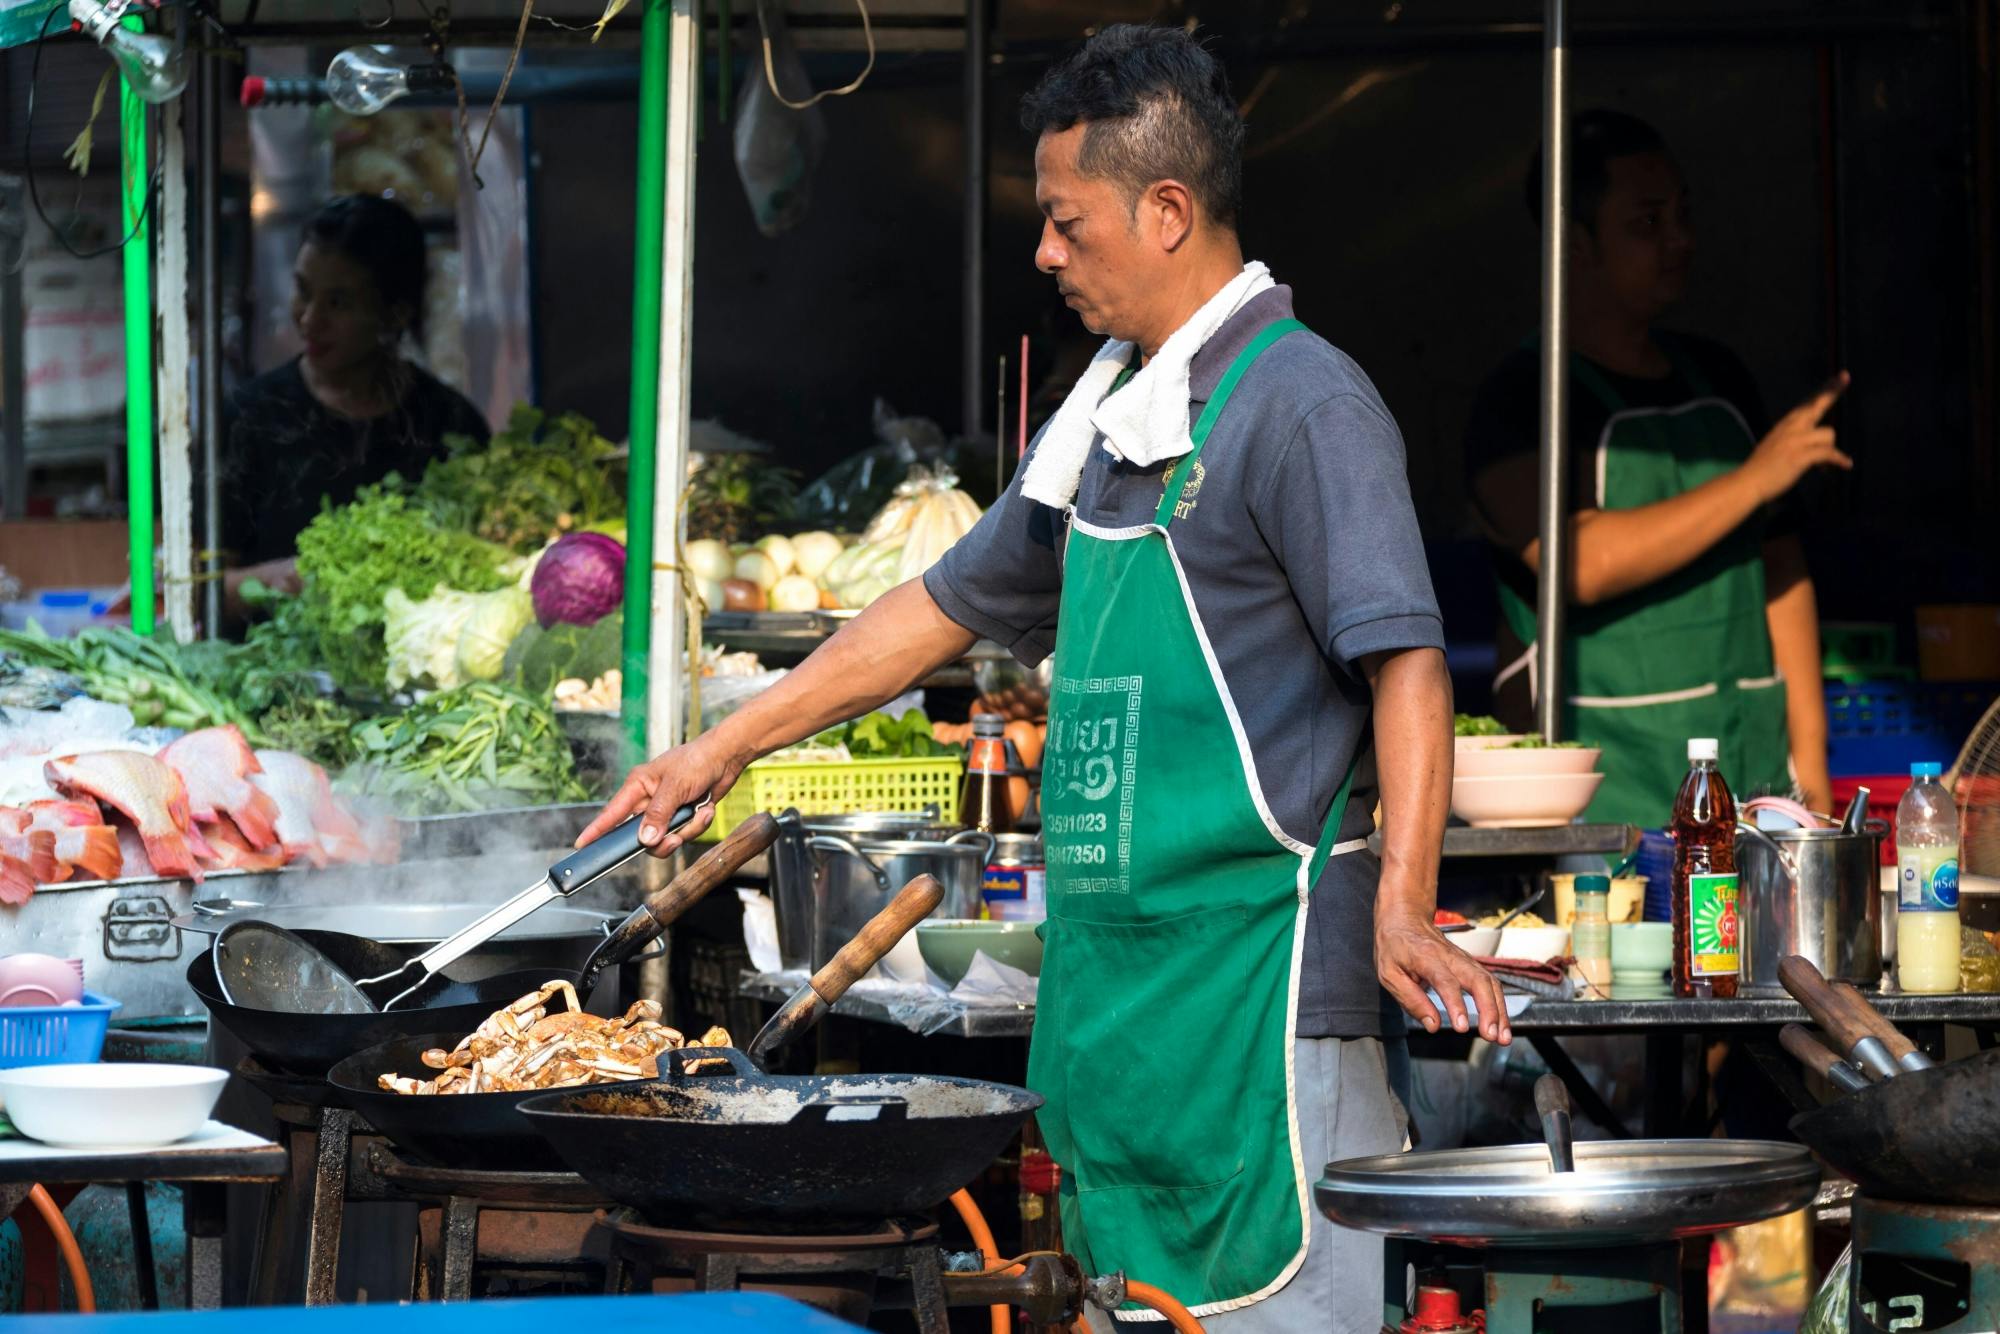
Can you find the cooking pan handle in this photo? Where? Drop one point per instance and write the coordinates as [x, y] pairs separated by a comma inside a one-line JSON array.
[[875, 1107], [986, 859], [835, 843], [680, 1058], [1744, 829]]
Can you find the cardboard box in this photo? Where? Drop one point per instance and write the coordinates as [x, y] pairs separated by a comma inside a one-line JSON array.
[[65, 553]]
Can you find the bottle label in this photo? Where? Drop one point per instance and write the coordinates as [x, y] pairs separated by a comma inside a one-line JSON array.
[[1712, 926], [1927, 879], [989, 756]]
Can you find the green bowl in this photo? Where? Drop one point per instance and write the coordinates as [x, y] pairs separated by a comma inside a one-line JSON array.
[[949, 944], [1642, 947]]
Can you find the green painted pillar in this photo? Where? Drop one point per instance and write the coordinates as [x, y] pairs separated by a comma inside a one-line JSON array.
[[138, 259]]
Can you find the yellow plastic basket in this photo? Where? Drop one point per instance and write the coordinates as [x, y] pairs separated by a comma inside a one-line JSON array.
[[899, 786]]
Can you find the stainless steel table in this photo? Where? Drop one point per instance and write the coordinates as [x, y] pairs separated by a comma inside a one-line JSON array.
[[963, 1021]]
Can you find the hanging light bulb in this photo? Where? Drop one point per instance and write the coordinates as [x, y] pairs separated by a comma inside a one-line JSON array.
[[156, 68], [364, 79]]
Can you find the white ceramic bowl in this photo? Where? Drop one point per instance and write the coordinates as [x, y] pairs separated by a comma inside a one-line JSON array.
[[1542, 760], [139, 1105], [1465, 743], [1478, 941], [1534, 943], [1526, 802]]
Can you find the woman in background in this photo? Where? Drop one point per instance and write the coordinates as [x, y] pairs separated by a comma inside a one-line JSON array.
[[349, 410]]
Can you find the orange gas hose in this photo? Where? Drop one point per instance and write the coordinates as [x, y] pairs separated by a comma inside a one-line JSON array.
[[1177, 1315], [982, 1237], [72, 1254]]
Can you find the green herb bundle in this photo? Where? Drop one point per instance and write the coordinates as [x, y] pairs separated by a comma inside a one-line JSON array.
[[535, 480], [475, 747]]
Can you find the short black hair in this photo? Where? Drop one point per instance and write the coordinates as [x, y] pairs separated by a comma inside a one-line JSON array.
[[1156, 106], [1596, 136], [385, 239]]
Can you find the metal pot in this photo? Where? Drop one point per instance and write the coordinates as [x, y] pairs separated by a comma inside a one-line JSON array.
[[1811, 892], [853, 879], [794, 868]]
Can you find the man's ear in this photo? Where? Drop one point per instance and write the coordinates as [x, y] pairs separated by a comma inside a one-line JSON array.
[[1172, 206]]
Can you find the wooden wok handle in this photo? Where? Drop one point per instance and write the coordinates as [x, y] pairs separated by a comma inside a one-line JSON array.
[[716, 865], [1808, 1050], [1828, 1008], [914, 902], [1871, 1021]]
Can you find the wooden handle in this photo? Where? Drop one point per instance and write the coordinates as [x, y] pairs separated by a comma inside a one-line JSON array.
[[1828, 1008], [1808, 1050], [716, 865], [1551, 1096], [914, 902], [1870, 1020]]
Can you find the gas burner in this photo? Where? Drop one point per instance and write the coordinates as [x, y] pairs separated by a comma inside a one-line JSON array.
[[1924, 1266], [280, 1086], [889, 1264]]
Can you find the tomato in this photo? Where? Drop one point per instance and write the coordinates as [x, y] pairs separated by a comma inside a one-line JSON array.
[[1445, 917]]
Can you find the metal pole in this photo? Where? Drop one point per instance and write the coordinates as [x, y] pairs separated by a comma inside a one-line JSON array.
[[138, 262], [13, 356], [650, 183], [973, 263], [172, 345], [209, 151], [1552, 577], [664, 706]]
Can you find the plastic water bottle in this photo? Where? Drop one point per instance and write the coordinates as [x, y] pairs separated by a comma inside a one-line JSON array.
[[1927, 885]]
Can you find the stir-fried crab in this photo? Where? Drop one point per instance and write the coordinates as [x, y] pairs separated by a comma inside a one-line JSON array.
[[522, 1046]]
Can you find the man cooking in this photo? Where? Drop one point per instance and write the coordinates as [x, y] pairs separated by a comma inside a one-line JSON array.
[[1215, 539], [1694, 615]]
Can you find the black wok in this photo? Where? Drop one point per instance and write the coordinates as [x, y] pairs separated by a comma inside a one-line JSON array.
[[308, 1044], [741, 1145], [1923, 1137]]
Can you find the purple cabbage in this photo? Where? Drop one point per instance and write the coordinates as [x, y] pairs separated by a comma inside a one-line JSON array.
[[580, 580]]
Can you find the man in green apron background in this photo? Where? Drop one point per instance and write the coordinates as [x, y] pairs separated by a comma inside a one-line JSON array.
[[1694, 613], [1214, 539]]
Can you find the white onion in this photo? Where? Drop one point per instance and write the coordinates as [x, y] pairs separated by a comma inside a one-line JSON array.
[[758, 568], [779, 549], [710, 559], [710, 593], [794, 592], [813, 552]]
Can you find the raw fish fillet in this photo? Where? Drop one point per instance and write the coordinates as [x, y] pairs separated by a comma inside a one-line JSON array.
[[232, 851], [84, 842], [17, 883], [216, 764], [146, 792], [131, 851], [34, 849], [307, 813]]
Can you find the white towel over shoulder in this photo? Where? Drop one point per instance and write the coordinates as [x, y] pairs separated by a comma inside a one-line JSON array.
[[1146, 423]]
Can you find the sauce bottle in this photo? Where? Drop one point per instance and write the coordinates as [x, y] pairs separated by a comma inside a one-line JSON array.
[[987, 805], [1706, 957], [1590, 937]]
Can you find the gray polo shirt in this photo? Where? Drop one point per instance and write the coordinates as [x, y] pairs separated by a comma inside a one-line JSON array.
[[1302, 555]]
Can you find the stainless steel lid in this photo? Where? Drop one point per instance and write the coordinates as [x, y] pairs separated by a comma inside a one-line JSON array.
[[1622, 1192], [1017, 849], [892, 824]]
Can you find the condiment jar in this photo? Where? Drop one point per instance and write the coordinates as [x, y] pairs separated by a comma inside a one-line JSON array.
[[1590, 937]]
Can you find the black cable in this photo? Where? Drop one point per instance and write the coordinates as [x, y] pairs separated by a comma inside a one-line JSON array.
[[28, 155]]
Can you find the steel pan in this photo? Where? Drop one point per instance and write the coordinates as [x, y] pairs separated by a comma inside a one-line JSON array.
[[1623, 1192]]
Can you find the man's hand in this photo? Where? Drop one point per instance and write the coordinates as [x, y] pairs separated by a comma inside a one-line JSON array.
[[685, 776], [1412, 956], [1797, 445]]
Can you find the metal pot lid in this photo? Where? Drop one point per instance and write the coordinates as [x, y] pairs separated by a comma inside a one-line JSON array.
[[402, 923], [1017, 848], [1622, 1192]]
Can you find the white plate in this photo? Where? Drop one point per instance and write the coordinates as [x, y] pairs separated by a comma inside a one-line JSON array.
[[1485, 742], [1541, 760], [115, 1105], [1522, 802]]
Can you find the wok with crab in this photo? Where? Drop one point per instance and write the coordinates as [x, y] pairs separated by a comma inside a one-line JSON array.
[[308, 1044]]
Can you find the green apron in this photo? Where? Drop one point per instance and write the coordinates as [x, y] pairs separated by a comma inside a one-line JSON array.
[[1687, 656], [1176, 923]]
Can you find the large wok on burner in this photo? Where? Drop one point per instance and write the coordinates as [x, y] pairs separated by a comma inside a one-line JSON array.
[[744, 1145]]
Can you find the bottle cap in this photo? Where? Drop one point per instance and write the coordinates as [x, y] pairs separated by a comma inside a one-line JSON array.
[[988, 724], [1593, 884], [1703, 748], [1928, 769]]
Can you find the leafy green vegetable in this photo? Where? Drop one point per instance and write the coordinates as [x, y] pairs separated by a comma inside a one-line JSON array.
[[351, 556], [737, 496], [161, 682], [877, 736], [538, 478], [320, 729], [497, 619], [539, 658], [477, 747], [1465, 724], [1536, 743]]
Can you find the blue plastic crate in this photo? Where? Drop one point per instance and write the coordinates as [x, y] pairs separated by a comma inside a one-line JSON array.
[[1883, 727], [55, 1034]]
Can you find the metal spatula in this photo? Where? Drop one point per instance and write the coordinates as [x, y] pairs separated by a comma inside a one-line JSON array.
[[285, 973]]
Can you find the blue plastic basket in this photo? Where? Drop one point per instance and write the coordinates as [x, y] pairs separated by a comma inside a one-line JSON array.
[[55, 1034], [1883, 727]]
